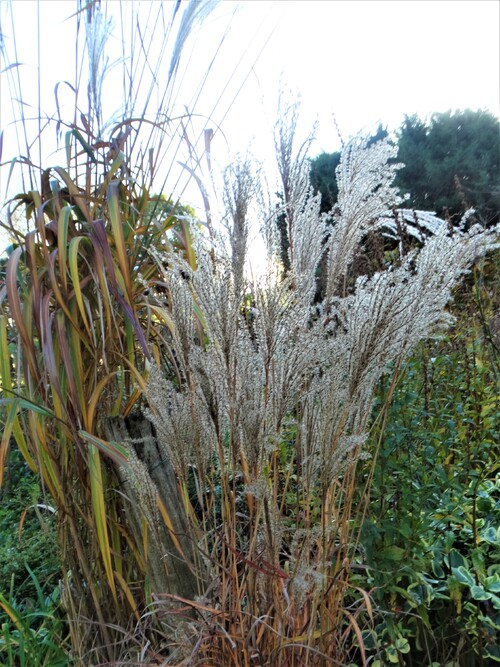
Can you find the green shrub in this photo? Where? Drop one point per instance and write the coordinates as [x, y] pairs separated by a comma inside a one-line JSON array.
[[27, 533], [431, 536], [31, 630]]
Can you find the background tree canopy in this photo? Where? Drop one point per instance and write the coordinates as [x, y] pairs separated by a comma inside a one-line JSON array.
[[451, 163], [323, 179]]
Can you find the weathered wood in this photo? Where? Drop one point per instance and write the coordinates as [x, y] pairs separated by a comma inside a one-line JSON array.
[[169, 572]]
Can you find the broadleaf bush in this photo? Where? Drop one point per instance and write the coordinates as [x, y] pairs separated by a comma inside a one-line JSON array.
[[430, 534]]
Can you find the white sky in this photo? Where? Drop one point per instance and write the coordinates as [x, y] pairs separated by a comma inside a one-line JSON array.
[[370, 61], [364, 61]]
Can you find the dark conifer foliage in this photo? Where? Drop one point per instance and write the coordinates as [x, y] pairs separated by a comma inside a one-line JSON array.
[[452, 163]]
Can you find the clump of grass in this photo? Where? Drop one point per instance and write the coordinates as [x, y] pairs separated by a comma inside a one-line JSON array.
[[265, 412], [76, 326], [35, 633]]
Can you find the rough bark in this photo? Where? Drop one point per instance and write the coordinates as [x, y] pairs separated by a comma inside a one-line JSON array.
[[169, 571]]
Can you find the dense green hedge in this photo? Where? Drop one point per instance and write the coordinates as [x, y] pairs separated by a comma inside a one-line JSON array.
[[431, 537]]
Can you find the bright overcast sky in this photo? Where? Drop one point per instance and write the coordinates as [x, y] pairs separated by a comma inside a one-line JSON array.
[[362, 61], [369, 61]]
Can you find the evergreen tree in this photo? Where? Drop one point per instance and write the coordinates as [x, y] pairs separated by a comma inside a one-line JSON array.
[[323, 179], [452, 163]]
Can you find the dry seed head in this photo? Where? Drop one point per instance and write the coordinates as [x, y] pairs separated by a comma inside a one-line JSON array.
[[305, 584], [365, 179], [139, 478], [179, 431], [258, 488], [239, 189], [98, 29], [246, 379]]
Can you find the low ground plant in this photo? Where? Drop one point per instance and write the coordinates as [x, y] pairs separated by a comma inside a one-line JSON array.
[[27, 525], [35, 631], [31, 626]]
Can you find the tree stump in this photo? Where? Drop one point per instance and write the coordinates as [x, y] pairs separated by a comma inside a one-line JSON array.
[[170, 571]]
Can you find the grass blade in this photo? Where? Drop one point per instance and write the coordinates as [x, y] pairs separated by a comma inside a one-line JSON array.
[[112, 450], [100, 517]]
